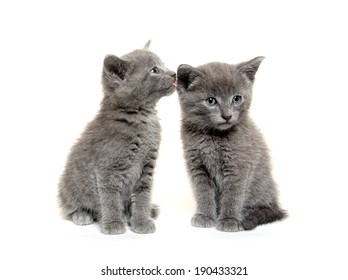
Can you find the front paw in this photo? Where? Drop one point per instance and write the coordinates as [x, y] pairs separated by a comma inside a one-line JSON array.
[[202, 221], [143, 227], [113, 228], [229, 225]]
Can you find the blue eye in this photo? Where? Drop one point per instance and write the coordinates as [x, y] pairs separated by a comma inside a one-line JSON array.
[[211, 101], [237, 100], [155, 70]]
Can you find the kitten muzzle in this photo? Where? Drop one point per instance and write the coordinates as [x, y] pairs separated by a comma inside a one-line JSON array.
[[225, 125]]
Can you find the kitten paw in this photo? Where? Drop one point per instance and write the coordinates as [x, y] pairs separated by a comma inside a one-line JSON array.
[[82, 218], [202, 221], [143, 228], [229, 224], [113, 228]]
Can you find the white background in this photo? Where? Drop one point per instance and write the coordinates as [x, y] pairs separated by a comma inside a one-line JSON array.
[[51, 55]]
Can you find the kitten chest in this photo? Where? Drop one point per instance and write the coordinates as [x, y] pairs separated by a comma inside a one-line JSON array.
[[141, 142], [212, 153], [127, 147], [224, 157]]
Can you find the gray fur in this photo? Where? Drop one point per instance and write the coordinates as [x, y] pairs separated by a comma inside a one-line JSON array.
[[108, 175], [226, 156]]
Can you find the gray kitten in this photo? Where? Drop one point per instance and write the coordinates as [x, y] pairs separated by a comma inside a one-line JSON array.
[[108, 175], [225, 153]]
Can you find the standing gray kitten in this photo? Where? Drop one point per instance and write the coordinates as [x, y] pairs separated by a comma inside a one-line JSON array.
[[225, 153], [108, 175]]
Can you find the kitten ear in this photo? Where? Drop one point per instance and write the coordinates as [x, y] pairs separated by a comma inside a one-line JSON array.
[[249, 68], [116, 67], [147, 45], [187, 76]]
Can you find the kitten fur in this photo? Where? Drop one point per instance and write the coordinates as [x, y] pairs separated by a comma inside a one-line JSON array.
[[108, 175], [226, 156]]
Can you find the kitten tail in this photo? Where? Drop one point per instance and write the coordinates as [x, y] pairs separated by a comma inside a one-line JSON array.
[[154, 211], [262, 215]]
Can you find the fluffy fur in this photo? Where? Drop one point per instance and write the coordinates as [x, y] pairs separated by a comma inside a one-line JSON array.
[[108, 175], [226, 156]]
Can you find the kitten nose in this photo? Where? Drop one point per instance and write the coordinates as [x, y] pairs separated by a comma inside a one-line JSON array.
[[226, 117], [172, 74]]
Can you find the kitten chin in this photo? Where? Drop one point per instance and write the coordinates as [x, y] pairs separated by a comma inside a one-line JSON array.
[[224, 126]]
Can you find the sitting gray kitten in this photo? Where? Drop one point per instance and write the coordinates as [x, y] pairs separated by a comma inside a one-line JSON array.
[[225, 153], [108, 175]]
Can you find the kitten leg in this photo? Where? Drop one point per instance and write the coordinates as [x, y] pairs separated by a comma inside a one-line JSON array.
[[141, 208], [111, 209], [205, 214], [140, 221], [231, 205], [204, 193], [111, 204]]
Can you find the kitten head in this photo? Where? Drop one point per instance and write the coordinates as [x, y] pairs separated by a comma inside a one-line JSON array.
[[137, 79], [216, 96]]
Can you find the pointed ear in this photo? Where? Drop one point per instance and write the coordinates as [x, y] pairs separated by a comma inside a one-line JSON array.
[[249, 68], [116, 67], [188, 76], [147, 45]]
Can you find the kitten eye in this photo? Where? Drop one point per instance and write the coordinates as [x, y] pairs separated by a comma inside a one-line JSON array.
[[237, 100], [211, 101], [155, 70]]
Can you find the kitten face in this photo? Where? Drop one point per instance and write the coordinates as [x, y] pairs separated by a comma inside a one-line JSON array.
[[137, 79], [216, 96]]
